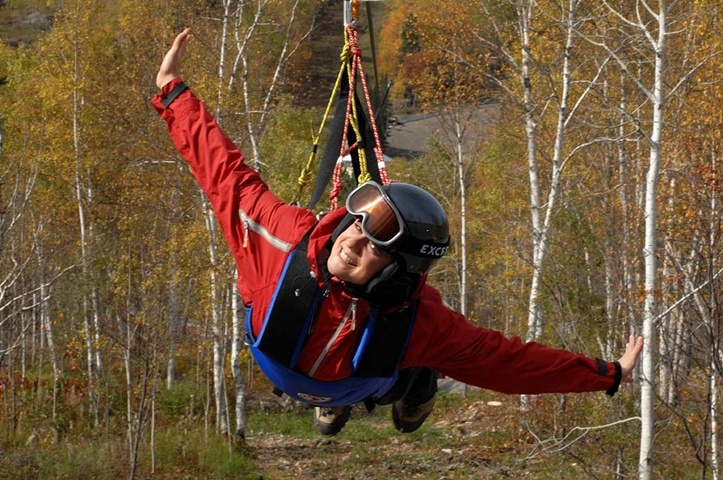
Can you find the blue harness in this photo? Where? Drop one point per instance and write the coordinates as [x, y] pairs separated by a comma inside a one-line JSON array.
[[289, 322]]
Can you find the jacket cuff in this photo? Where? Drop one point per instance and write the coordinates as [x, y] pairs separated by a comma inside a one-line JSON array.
[[602, 366], [170, 96]]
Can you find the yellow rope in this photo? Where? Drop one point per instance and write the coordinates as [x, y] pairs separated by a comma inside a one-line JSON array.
[[364, 175], [345, 57], [354, 122], [306, 174]]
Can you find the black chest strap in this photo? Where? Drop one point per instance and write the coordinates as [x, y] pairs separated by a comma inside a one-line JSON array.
[[385, 343], [292, 309]]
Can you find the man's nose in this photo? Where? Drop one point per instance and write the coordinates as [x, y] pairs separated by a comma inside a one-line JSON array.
[[358, 239]]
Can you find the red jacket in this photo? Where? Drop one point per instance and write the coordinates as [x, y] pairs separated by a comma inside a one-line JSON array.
[[261, 230]]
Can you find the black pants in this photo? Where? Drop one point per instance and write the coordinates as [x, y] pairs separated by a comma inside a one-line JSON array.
[[415, 385]]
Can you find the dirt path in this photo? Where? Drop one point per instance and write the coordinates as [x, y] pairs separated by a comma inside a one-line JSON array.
[[454, 445]]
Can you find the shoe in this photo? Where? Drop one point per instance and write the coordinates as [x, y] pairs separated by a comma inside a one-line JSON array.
[[329, 421], [408, 418]]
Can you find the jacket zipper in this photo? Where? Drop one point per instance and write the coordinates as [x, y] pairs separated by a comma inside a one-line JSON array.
[[350, 312], [250, 224]]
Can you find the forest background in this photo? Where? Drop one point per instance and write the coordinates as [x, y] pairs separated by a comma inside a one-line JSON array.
[[578, 157]]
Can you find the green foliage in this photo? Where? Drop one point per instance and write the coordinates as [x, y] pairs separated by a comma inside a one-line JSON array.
[[19, 467], [182, 400], [286, 148], [84, 462], [222, 464], [296, 423], [190, 454]]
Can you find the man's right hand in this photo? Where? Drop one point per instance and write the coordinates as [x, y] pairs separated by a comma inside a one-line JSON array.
[[171, 65]]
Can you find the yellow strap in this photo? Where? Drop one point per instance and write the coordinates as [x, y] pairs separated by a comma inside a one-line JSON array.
[[305, 175], [354, 122]]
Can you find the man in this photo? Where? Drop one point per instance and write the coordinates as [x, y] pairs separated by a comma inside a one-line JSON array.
[[338, 309]]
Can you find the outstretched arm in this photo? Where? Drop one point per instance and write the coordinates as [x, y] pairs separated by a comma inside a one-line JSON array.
[[444, 340], [171, 65], [256, 224]]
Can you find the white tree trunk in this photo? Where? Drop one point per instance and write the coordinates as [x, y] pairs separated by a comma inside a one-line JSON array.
[[95, 305], [236, 346], [43, 307], [124, 327], [541, 227], [534, 320], [174, 313], [242, 37], [714, 457], [219, 340], [82, 196], [666, 331], [217, 327], [463, 218], [48, 329], [255, 129], [626, 265], [713, 413], [650, 255], [648, 371]]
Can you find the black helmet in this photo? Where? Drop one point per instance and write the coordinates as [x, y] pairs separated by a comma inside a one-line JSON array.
[[405, 220]]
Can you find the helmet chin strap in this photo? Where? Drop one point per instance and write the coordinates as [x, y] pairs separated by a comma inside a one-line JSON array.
[[392, 286], [383, 276]]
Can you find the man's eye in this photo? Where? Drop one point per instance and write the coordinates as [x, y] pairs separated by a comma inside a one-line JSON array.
[[376, 249]]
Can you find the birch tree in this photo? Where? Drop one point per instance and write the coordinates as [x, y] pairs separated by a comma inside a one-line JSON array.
[[690, 336], [652, 26], [236, 346], [43, 307], [66, 62], [546, 78], [16, 187], [294, 28], [449, 86], [657, 98]]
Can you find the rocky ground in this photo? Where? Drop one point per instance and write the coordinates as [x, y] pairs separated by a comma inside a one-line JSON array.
[[478, 436]]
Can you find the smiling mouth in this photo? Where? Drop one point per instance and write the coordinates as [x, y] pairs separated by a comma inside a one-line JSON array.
[[345, 257]]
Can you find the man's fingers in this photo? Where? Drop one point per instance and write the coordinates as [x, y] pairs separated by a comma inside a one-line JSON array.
[[630, 357], [171, 64]]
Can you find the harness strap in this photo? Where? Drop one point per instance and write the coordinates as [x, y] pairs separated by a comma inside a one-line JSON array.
[[289, 319], [385, 343]]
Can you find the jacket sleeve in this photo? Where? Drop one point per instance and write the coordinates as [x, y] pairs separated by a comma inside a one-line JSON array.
[[258, 227], [445, 341]]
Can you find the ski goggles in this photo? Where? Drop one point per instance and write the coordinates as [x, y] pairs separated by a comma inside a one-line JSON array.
[[381, 222]]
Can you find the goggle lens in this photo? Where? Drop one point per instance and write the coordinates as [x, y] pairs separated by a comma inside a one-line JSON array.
[[381, 223]]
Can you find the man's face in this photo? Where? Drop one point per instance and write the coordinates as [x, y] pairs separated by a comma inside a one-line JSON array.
[[354, 258]]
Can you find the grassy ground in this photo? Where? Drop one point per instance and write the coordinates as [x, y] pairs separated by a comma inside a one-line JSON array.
[[482, 436], [466, 438]]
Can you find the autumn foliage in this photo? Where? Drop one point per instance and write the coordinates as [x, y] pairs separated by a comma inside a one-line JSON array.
[[113, 311]]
